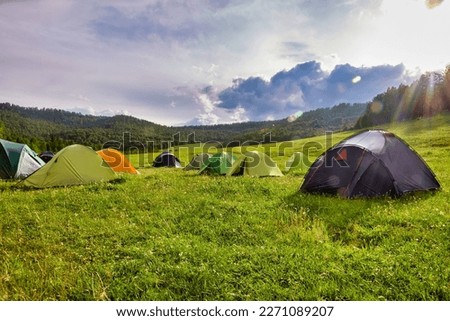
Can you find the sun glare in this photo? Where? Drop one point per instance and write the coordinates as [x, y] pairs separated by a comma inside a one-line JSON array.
[[357, 79], [433, 3], [412, 32], [421, 94]]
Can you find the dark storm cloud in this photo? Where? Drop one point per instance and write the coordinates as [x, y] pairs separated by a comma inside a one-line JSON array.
[[307, 86]]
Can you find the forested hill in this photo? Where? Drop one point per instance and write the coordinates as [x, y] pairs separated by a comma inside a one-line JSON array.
[[428, 96], [53, 129]]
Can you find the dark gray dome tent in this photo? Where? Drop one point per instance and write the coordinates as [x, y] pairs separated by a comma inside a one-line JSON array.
[[46, 156], [371, 163], [166, 159]]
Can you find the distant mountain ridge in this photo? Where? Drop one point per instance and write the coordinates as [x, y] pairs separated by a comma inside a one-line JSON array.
[[53, 129]]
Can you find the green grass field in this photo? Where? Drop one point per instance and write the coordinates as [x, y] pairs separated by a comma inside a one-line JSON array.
[[169, 234]]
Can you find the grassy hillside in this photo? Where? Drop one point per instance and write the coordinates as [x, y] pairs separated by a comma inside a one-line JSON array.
[[172, 235]]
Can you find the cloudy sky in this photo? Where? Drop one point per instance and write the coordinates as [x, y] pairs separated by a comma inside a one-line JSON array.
[[206, 62]]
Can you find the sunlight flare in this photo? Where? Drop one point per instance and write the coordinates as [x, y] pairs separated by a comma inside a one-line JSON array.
[[356, 79], [433, 3]]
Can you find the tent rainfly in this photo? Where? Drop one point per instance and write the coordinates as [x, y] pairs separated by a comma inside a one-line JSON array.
[[218, 164], [17, 161], [371, 163], [197, 161], [73, 165], [254, 163], [166, 159], [117, 161]]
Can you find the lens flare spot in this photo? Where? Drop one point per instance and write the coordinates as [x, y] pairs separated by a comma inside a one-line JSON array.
[[293, 117], [356, 80], [341, 88], [433, 3], [376, 107]]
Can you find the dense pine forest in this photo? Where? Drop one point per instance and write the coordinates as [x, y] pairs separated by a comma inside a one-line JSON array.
[[53, 129]]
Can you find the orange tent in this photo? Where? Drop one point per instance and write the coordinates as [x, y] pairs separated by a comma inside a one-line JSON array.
[[117, 161]]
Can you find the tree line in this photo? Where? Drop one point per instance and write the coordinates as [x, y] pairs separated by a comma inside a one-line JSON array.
[[53, 129], [425, 97]]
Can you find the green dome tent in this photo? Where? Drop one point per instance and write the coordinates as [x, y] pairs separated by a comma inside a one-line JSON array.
[[218, 164], [296, 162], [254, 163], [17, 161], [73, 165], [197, 161]]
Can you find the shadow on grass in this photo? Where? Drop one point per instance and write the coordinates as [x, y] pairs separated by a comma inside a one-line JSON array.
[[18, 186], [15, 186], [118, 180], [342, 216], [333, 210], [417, 195]]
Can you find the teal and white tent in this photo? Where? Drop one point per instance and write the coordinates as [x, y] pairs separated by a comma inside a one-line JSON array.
[[17, 160]]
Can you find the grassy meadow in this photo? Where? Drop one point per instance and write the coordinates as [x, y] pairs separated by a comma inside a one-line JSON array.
[[170, 234]]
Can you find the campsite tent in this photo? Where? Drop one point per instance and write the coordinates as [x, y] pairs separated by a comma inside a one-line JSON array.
[[166, 159], [218, 164], [296, 162], [197, 161], [117, 161], [46, 156], [371, 163], [73, 165], [17, 160], [254, 163]]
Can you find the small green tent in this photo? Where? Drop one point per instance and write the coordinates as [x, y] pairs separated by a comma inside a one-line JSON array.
[[254, 163], [218, 164], [197, 161], [17, 160], [73, 165], [296, 162]]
